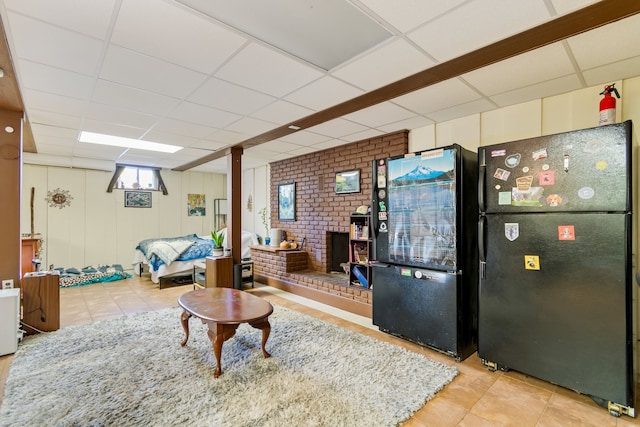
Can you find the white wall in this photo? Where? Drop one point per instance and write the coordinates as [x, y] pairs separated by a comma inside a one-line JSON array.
[[96, 228]]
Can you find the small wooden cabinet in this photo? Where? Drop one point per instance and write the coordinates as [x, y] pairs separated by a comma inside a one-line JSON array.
[[219, 272], [360, 251], [40, 302]]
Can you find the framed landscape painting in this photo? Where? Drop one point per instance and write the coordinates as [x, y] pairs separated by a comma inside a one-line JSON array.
[[137, 199], [348, 182]]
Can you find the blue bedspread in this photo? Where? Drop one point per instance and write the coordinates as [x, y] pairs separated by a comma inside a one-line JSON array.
[[196, 247]]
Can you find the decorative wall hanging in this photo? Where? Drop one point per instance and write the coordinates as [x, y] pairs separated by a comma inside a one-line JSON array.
[[250, 203], [137, 199], [196, 204], [287, 202], [58, 198], [348, 182]]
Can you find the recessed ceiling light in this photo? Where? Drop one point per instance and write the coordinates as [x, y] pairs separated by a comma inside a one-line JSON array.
[[294, 127], [118, 141], [9, 129]]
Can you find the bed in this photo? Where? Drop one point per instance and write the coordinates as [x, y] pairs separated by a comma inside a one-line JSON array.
[[171, 255]]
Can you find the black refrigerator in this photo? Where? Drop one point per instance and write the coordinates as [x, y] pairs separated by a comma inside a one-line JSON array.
[[423, 216], [555, 236]]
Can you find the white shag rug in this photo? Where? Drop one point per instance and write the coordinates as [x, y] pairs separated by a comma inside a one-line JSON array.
[[132, 371]]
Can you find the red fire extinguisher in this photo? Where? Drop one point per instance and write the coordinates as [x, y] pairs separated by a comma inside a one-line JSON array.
[[608, 105]]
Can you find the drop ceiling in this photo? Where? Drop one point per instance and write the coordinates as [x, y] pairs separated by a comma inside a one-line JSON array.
[[211, 74]]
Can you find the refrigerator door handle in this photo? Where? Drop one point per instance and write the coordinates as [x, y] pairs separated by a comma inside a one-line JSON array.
[[482, 255], [482, 168]]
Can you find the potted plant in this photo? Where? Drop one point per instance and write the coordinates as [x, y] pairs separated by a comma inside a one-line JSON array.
[[218, 241], [264, 214]]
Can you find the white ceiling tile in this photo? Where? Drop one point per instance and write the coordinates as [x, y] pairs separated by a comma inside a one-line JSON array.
[[411, 123], [406, 15], [380, 114], [441, 95], [278, 74], [545, 63], [96, 151], [337, 128], [63, 134], [302, 151], [227, 137], [144, 72], [461, 110], [89, 17], [54, 119], [46, 44], [111, 114], [51, 102], [323, 93], [375, 69], [314, 31], [536, 91], [250, 126], [279, 146], [229, 97], [359, 136], [282, 112], [329, 144], [616, 71], [566, 6], [615, 42], [99, 126], [180, 127], [477, 24], [54, 80], [304, 137], [207, 116], [133, 99], [174, 34]]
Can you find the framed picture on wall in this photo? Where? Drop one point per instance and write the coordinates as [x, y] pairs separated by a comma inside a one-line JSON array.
[[137, 199], [287, 202], [348, 182], [196, 205]]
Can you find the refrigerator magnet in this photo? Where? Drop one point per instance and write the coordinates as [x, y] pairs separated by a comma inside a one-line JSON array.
[[502, 174], [546, 178], [513, 160], [601, 165], [504, 198], [511, 230], [531, 262], [539, 154], [566, 232], [554, 200], [382, 216], [586, 193]]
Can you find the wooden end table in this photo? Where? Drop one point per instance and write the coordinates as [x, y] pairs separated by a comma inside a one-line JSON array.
[[223, 310]]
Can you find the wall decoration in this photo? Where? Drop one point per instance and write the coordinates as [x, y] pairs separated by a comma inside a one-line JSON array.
[[58, 198], [196, 203], [348, 182], [137, 199], [287, 202]]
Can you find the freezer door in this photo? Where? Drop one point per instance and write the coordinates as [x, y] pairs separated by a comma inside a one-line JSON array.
[[427, 307], [555, 300], [585, 170]]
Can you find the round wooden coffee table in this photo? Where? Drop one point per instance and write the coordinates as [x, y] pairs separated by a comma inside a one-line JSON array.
[[223, 310]]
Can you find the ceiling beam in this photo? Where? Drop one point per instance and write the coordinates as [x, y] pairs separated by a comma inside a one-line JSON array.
[[583, 20]]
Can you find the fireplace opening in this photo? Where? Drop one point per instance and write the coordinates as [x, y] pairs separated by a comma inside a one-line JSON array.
[[339, 250]]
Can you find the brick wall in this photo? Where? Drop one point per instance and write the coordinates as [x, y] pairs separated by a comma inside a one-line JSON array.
[[319, 209]]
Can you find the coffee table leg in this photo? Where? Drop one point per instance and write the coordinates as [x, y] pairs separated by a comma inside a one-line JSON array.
[[265, 326], [218, 334], [184, 319]]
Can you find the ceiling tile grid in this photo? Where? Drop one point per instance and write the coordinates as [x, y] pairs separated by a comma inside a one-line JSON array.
[[201, 74]]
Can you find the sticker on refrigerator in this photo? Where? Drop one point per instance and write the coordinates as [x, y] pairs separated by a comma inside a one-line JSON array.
[[382, 216], [531, 262], [546, 178], [405, 272], [530, 197], [504, 198], [502, 174], [566, 232], [382, 194], [593, 146], [513, 160], [498, 153], [554, 200], [382, 206], [382, 181], [601, 165], [539, 154], [383, 227], [586, 193], [524, 182], [511, 230]]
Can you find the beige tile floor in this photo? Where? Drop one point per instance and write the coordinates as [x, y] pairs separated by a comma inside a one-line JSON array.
[[476, 397]]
